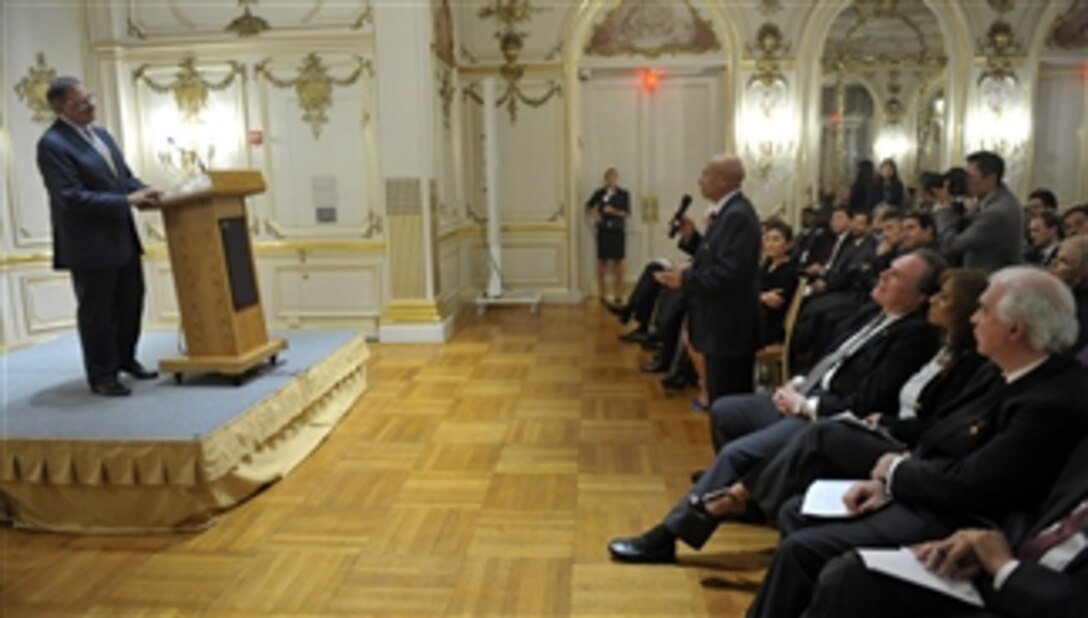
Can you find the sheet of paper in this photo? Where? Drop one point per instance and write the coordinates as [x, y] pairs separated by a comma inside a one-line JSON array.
[[824, 499], [902, 564]]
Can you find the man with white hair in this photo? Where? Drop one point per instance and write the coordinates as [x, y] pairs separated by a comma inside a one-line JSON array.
[[721, 282], [995, 451]]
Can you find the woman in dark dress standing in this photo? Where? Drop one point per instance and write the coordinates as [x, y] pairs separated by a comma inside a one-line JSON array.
[[609, 206]]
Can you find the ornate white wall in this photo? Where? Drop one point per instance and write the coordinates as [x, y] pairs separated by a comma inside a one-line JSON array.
[[327, 254]]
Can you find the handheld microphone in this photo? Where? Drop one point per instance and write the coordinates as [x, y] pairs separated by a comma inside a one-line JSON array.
[[188, 153], [677, 218]]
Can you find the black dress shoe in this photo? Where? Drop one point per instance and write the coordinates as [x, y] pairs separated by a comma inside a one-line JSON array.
[[639, 550], [657, 365], [110, 388], [138, 371], [635, 336], [675, 383], [652, 342], [618, 310]]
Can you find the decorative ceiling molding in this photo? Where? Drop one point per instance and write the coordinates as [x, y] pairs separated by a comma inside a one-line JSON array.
[[247, 24], [652, 28], [1070, 31], [32, 89], [858, 46]]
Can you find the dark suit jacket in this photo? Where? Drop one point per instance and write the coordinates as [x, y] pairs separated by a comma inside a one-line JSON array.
[[620, 200], [852, 261], [722, 283], [870, 379], [93, 225], [998, 450], [1035, 590], [961, 374]]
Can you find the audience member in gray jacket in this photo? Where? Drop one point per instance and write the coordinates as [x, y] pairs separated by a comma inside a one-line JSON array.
[[991, 237]]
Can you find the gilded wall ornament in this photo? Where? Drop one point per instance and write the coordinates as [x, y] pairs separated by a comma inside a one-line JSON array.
[[652, 28], [189, 87], [1000, 45], [32, 89], [314, 87], [768, 49], [508, 14], [446, 92], [247, 24]]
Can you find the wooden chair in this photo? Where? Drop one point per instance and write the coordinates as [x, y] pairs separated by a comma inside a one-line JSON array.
[[775, 357]]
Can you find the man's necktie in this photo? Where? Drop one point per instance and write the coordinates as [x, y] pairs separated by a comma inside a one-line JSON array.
[[100, 146], [834, 359], [1036, 547]]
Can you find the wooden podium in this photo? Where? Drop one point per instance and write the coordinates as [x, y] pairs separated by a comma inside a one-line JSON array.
[[215, 278]]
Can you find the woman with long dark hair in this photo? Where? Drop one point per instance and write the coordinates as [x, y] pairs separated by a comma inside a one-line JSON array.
[[889, 188]]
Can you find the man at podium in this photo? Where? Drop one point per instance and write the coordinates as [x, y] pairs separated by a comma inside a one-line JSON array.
[[91, 195]]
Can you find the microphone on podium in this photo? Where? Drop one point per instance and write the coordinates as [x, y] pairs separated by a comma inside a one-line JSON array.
[[674, 225], [186, 153]]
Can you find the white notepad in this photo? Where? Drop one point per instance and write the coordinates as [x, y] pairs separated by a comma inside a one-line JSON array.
[[904, 565], [824, 499]]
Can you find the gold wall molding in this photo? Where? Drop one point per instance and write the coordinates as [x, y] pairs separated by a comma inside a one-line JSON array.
[[413, 312], [190, 88], [32, 89], [42, 258], [314, 86]]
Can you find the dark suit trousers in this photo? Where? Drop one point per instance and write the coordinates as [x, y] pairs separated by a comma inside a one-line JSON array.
[[110, 307], [847, 589], [736, 416], [643, 298], [803, 552], [729, 375], [824, 449]]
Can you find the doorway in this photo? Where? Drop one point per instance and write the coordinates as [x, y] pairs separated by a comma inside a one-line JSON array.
[[658, 134]]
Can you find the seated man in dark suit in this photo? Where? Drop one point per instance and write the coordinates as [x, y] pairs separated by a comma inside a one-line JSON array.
[[865, 372], [1050, 578], [997, 452]]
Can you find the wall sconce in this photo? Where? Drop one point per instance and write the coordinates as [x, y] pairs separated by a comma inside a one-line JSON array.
[[768, 138]]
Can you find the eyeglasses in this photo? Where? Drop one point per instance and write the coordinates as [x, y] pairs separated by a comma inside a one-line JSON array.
[[84, 102]]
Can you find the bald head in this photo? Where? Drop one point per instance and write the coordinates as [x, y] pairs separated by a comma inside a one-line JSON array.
[[722, 175]]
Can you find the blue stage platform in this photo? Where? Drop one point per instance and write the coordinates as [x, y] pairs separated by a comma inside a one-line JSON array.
[[170, 456]]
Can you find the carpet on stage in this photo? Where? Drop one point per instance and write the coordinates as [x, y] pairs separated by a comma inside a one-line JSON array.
[[170, 457]]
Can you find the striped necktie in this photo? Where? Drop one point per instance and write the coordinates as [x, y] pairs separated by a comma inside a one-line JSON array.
[[100, 147]]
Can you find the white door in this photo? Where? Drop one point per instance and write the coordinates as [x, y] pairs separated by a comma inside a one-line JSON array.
[[659, 141]]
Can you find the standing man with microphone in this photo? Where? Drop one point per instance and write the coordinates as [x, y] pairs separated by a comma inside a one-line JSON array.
[[91, 195], [722, 280]]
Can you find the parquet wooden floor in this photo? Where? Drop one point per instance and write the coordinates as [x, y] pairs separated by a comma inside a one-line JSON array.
[[482, 477]]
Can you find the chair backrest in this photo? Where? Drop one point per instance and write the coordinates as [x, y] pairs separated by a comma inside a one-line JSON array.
[[789, 322]]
